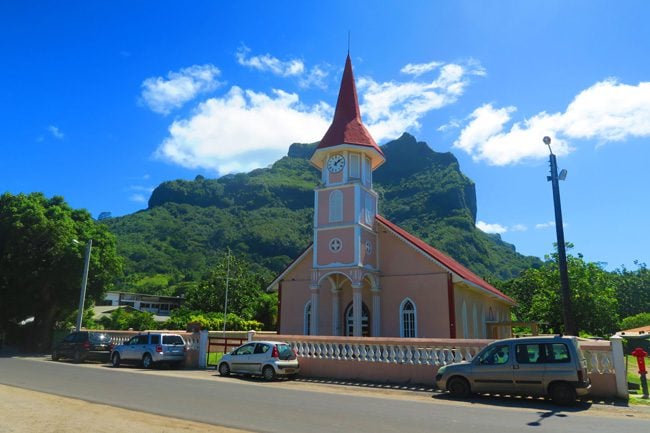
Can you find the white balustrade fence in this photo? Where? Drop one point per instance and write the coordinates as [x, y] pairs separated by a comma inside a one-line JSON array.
[[385, 353]]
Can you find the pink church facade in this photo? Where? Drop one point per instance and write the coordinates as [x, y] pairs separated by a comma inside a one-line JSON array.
[[365, 276]]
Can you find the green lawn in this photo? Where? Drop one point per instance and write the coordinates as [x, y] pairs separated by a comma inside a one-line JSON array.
[[634, 377], [213, 358]]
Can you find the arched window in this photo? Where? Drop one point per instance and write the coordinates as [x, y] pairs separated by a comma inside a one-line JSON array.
[[349, 321], [408, 319], [336, 206], [307, 318]]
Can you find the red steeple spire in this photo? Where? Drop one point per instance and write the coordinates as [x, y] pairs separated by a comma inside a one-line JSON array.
[[346, 128]]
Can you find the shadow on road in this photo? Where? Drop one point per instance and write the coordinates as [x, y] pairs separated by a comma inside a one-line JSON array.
[[545, 409]]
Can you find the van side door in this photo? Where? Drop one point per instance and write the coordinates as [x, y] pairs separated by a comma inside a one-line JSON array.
[[530, 368], [492, 371]]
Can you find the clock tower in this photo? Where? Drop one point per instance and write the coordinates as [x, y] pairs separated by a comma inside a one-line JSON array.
[[345, 240]]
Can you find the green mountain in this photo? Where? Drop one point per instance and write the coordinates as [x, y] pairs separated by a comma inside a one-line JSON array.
[[266, 216]]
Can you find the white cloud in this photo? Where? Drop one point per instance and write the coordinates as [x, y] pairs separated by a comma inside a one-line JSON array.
[[419, 69], [498, 228], [243, 130], [544, 226], [268, 63], [56, 132], [138, 198], [518, 228], [162, 95], [314, 77], [490, 228], [392, 108], [141, 193], [607, 111]]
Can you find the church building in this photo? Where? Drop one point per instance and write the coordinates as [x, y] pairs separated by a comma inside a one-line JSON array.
[[364, 275]]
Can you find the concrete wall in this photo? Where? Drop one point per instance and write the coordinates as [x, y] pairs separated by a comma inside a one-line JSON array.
[[416, 360]]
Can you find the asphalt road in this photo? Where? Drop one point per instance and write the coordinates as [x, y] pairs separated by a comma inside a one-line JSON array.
[[305, 407]]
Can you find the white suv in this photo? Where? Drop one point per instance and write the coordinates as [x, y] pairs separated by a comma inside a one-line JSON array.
[[150, 348]]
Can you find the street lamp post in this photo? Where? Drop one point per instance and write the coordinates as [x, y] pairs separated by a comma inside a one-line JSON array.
[[567, 313], [84, 282]]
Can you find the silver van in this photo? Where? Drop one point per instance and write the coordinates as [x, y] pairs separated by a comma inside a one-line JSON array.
[[550, 366]]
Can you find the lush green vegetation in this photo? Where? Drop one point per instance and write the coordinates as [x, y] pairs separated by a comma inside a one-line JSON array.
[[200, 238], [598, 297], [41, 259], [636, 321], [265, 218]]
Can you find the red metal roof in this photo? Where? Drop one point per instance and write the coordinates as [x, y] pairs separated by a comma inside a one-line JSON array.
[[346, 126], [446, 261]]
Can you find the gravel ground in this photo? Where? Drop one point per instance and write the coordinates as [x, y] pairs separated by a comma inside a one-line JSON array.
[[23, 411]]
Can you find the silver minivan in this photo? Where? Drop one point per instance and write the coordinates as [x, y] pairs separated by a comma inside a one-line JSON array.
[[550, 366]]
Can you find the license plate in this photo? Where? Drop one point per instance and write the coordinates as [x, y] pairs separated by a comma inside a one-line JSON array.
[[289, 370]]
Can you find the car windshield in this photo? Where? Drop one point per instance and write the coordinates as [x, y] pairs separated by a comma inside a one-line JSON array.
[[494, 355]]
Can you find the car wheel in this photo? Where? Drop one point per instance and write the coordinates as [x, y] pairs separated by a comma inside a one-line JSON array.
[[268, 373], [55, 356], [147, 362], [224, 370], [458, 387], [562, 394], [115, 360]]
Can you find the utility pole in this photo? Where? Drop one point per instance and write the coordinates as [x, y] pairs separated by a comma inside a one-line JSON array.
[[84, 282], [567, 312], [225, 304]]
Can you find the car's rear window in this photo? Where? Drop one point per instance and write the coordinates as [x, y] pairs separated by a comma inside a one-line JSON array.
[[286, 352], [172, 339], [99, 337]]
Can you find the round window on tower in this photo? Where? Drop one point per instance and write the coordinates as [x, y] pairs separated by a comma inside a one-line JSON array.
[[335, 245]]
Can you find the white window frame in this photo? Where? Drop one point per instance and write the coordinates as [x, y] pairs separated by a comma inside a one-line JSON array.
[[355, 166], [335, 245], [336, 206], [412, 314], [307, 319]]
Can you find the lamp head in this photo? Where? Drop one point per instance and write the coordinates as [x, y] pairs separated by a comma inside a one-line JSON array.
[[547, 140]]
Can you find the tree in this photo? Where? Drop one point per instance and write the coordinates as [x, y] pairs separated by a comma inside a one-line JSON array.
[[633, 290], [637, 321], [593, 296], [123, 319], [245, 291], [41, 264]]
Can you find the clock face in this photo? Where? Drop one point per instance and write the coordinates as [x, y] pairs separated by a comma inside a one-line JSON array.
[[336, 163]]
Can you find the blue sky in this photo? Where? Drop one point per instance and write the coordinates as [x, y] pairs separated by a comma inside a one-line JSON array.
[[103, 101]]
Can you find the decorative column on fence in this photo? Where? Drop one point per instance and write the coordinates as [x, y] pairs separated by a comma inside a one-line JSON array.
[[203, 348], [619, 366]]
